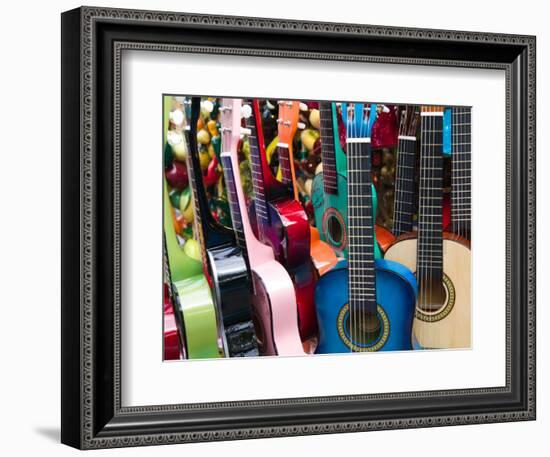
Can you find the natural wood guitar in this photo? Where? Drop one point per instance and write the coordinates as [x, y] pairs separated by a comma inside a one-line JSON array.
[[441, 261]]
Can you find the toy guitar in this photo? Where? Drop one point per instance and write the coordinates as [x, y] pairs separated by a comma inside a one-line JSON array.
[[223, 260], [404, 176], [461, 171], [330, 187], [368, 305], [192, 294], [441, 260], [282, 223], [289, 111], [274, 308]]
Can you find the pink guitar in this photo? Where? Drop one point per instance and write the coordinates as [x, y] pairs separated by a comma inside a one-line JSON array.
[[274, 308]]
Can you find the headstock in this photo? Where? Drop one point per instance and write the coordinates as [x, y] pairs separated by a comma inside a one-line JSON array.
[[289, 114], [409, 122], [230, 123], [358, 119]]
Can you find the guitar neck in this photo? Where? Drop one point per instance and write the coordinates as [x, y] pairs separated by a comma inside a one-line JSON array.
[[404, 185], [211, 233], [461, 170], [362, 279], [330, 179], [234, 204], [286, 164], [259, 165], [429, 261]]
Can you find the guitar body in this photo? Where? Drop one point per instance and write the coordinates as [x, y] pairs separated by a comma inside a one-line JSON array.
[[288, 233], [331, 213], [274, 311], [232, 295], [199, 317], [384, 237], [323, 256], [450, 326], [396, 297]]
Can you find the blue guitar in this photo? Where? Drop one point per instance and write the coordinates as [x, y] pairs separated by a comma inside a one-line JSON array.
[[364, 304]]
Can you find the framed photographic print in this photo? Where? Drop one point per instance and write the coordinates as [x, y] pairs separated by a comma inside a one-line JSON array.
[[273, 227]]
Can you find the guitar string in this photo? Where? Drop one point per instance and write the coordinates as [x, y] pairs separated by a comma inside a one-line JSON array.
[[352, 226]]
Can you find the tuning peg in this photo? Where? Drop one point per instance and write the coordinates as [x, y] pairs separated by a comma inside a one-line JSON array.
[[303, 107], [246, 111], [301, 125]]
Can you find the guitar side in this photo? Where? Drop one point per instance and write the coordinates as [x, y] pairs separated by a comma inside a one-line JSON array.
[[232, 291], [201, 327], [396, 296]]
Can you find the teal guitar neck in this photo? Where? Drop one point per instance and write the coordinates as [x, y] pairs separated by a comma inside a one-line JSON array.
[[330, 188]]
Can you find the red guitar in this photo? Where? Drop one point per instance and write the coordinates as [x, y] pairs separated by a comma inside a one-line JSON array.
[[282, 222]]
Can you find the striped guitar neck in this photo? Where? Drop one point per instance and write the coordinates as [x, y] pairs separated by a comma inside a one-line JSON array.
[[461, 160], [404, 179]]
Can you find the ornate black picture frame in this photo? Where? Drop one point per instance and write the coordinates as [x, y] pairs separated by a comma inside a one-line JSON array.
[[92, 42]]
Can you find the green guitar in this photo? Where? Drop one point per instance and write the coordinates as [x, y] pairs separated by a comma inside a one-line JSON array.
[[192, 293], [330, 187], [193, 297]]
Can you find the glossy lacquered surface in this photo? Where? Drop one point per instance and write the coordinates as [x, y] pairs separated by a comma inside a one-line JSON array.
[[395, 293]]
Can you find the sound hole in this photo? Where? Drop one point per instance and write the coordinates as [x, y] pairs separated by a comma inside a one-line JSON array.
[[335, 229], [432, 295], [363, 327]]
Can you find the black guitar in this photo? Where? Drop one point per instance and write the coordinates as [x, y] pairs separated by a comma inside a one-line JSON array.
[[223, 259]]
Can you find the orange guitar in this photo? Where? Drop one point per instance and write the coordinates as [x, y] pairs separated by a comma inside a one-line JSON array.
[[322, 254]]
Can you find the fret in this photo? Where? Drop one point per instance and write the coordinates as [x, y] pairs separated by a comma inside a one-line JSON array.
[[327, 147], [360, 222], [461, 171], [208, 236], [234, 207], [430, 236], [284, 162], [258, 180]]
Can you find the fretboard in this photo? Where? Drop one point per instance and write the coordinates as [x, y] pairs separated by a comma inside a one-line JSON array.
[[284, 163], [429, 258], [362, 279], [233, 198], [258, 181], [330, 179], [461, 170], [209, 236], [403, 208]]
